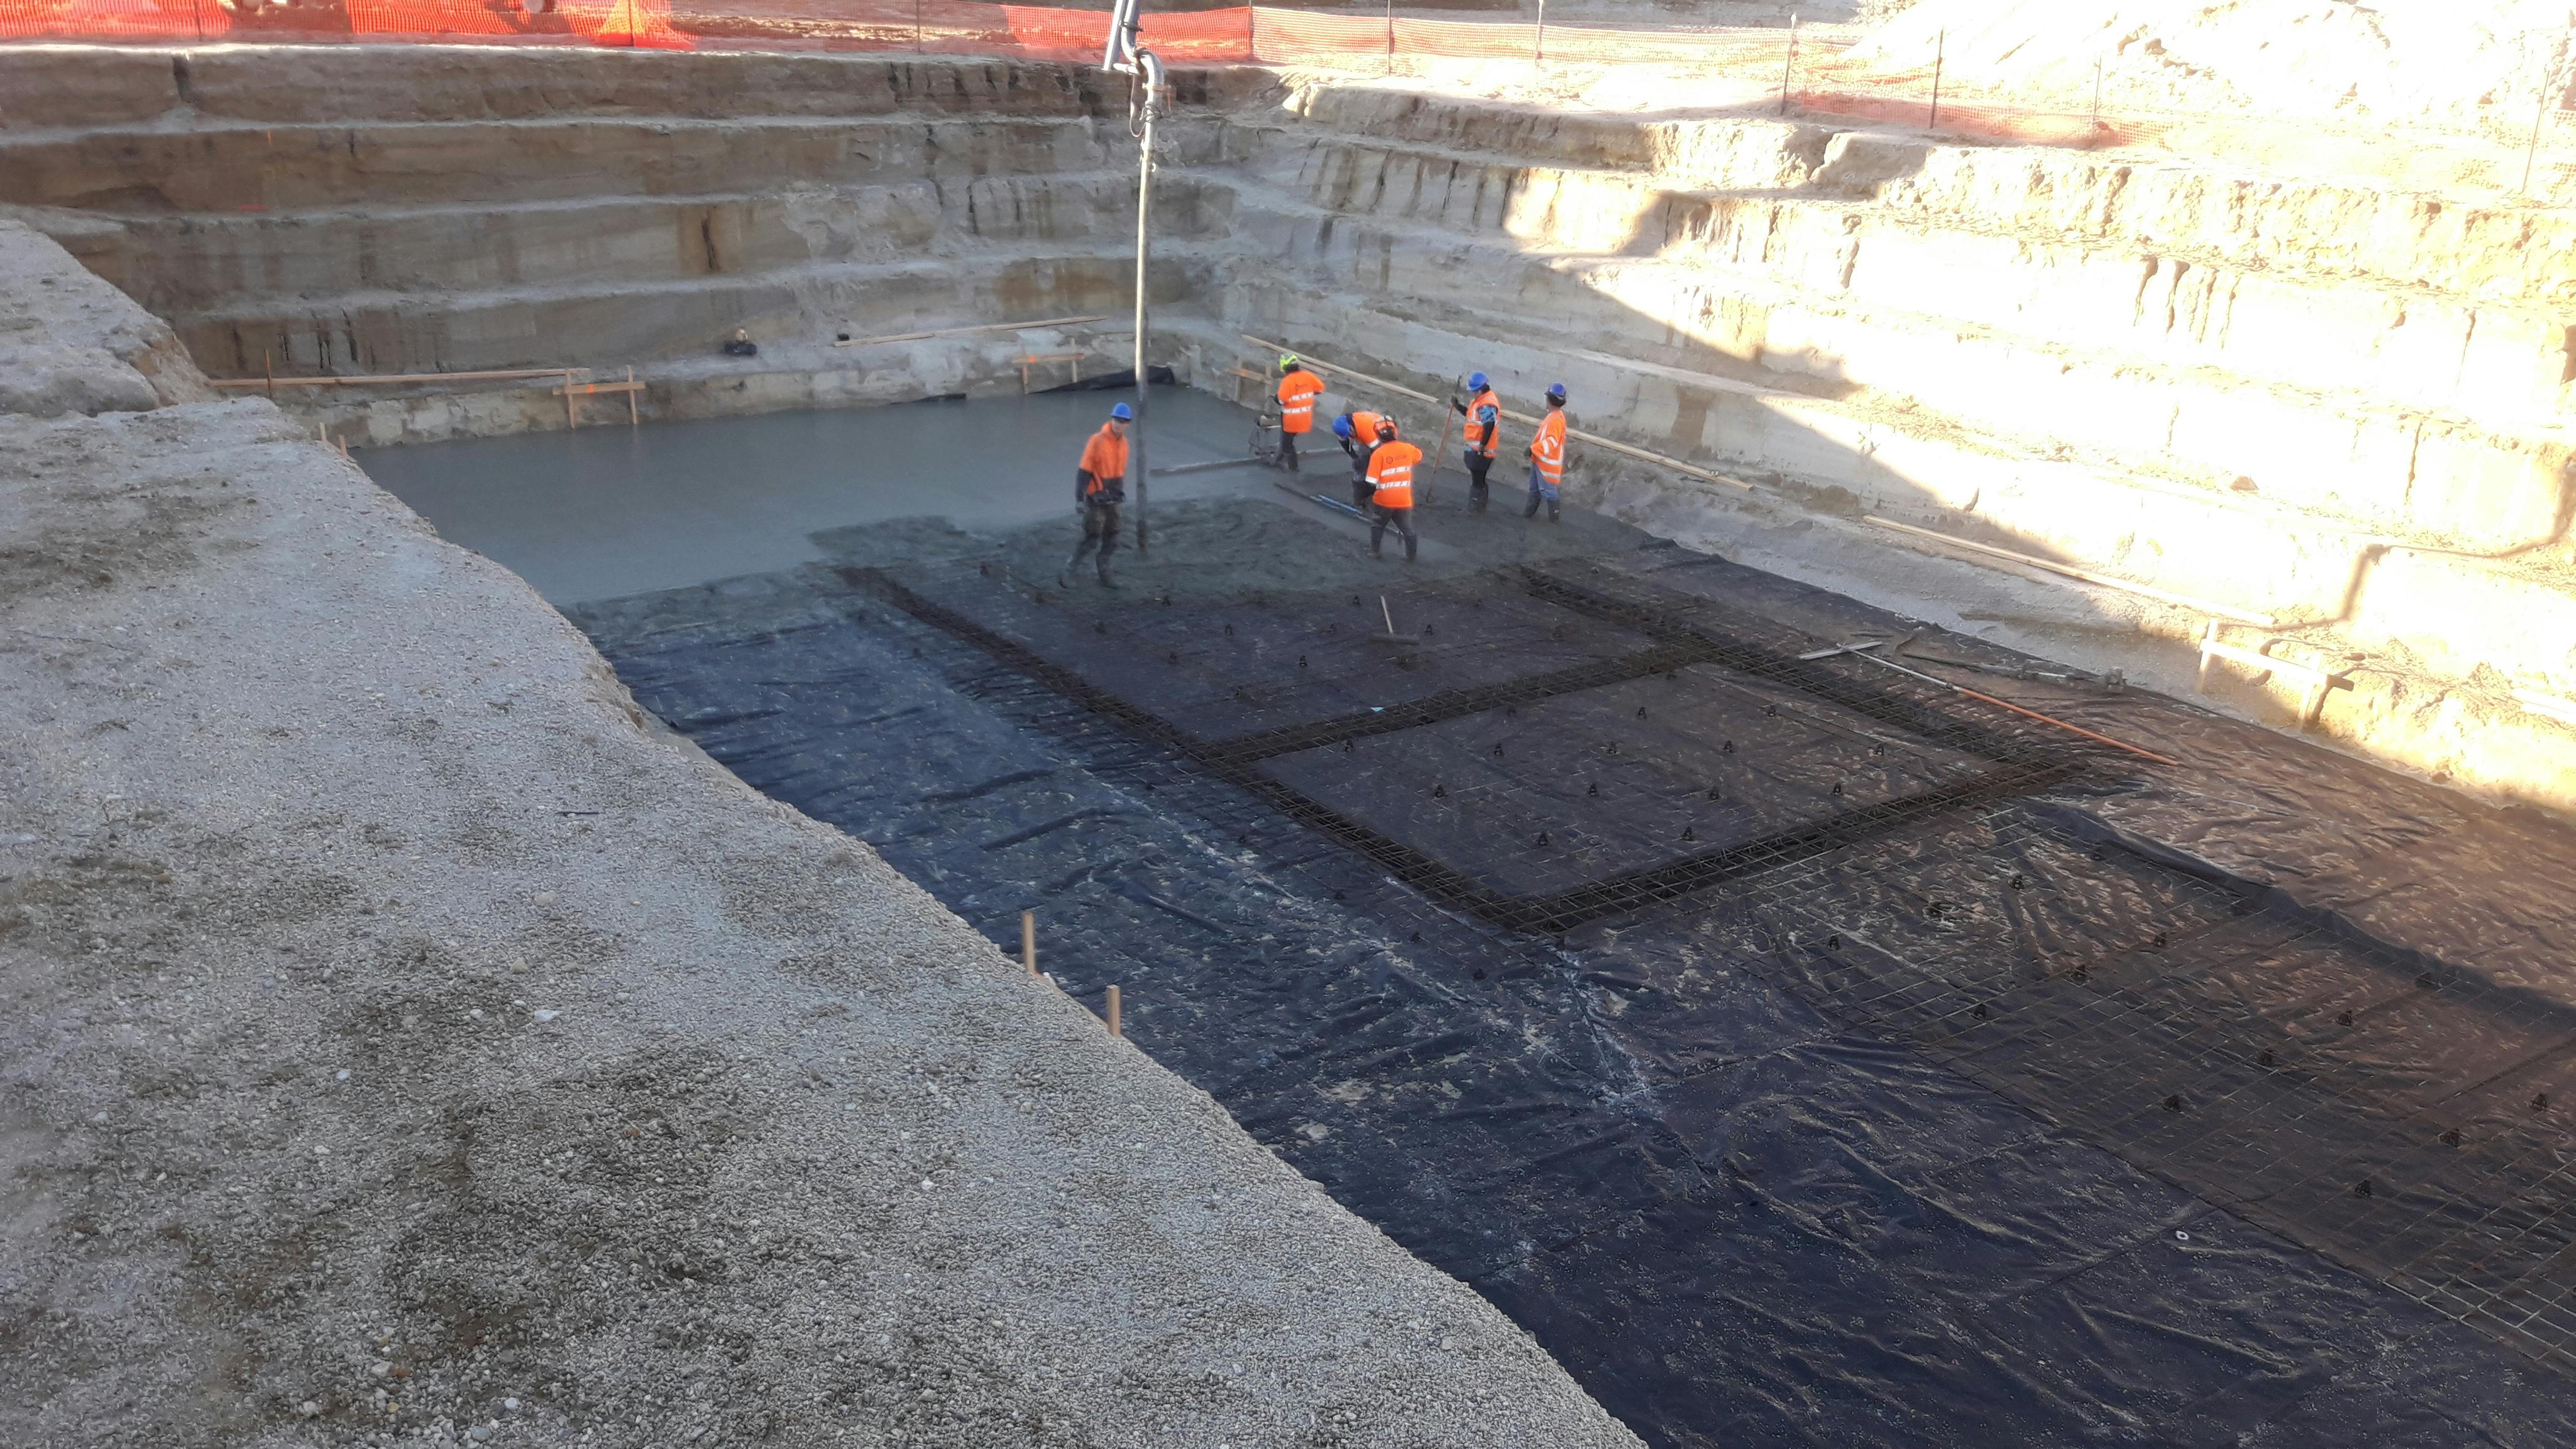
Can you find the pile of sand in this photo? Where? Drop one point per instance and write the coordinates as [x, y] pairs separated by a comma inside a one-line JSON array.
[[2452, 63]]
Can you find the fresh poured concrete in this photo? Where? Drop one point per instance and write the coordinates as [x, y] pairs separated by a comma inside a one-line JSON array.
[[602, 512]]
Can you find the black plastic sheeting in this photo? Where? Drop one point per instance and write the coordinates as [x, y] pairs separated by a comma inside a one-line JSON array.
[[1812, 1157]]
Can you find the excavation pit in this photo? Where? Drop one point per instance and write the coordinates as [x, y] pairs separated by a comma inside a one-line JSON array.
[[1957, 1056]]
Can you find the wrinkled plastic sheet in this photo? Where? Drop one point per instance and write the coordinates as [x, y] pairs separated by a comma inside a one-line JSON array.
[[1749, 1183]]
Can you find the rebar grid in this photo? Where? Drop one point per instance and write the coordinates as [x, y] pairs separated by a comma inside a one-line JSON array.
[[2116, 994]]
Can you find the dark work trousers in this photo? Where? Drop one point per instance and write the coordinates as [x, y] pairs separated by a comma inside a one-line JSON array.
[[1361, 491], [1099, 530], [1402, 519], [1477, 463], [1288, 450]]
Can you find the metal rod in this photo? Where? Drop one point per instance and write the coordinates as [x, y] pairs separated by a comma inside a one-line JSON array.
[[1863, 653], [1205, 467], [1641, 454], [2539, 113], [1940, 42], [2198, 606], [979, 327], [1538, 40], [1390, 37], [2097, 95], [389, 378], [1789, 66]]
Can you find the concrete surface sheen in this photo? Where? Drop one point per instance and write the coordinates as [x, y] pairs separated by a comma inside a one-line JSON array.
[[601, 512]]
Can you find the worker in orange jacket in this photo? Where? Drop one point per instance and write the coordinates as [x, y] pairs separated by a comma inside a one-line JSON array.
[[1547, 456], [1390, 477], [1298, 390], [1099, 486], [1356, 429], [1484, 433]]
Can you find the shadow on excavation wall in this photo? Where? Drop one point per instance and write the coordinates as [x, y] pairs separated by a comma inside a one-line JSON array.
[[1730, 1151]]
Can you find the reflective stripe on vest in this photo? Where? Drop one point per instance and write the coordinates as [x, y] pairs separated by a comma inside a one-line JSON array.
[[1390, 474], [1297, 401], [1547, 449], [1485, 399]]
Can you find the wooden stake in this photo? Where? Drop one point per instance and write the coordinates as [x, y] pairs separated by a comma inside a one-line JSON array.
[[1113, 1013], [268, 365], [634, 415], [1029, 941]]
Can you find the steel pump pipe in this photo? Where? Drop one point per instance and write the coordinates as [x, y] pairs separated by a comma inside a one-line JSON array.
[[1125, 55]]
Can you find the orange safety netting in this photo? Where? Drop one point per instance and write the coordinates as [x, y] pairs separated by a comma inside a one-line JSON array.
[[634, 24], [1807, 76], [113, 19]]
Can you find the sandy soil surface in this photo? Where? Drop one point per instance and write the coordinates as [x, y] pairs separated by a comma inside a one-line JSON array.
[[408, 1042], [2444, 61]]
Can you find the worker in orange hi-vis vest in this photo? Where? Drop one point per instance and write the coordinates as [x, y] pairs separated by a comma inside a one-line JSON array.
[[1390, 476], [1484, 434], [1298, 390], [1547, 456], [1099, 486], [1356, 429]]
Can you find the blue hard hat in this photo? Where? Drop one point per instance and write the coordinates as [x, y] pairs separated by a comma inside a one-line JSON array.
[[1476, 381], [1556, 392], [1342, 426], [1123, 413]]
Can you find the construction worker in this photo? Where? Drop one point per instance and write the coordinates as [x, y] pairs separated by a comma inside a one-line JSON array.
[[1357, 430], [1099, 486], [1547, 455], [1390, 477], [1298, 390], [1484, 434]]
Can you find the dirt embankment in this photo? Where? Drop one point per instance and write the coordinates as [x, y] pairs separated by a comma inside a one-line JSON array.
[[407, 1041]]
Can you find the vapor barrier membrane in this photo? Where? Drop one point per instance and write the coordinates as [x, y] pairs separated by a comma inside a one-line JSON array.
[[1715, 1155]]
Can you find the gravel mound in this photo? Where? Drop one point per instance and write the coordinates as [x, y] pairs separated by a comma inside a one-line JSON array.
[[408, 1041]]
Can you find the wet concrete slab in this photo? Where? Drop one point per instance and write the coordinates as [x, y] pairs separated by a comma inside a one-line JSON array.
[[602, 512]]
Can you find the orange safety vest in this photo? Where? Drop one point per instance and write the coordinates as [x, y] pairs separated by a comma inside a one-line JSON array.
[[1485, 399], [1364, 429], [1390, 473], [1547, 449], [1297, 401], [1104, 457]]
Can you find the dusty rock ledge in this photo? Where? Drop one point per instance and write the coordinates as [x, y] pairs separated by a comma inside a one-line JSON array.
[[404, 1040]]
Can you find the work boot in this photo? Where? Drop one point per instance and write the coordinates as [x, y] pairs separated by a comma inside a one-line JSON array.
[[1106, 580], [1551, 514], [1409, 545]]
